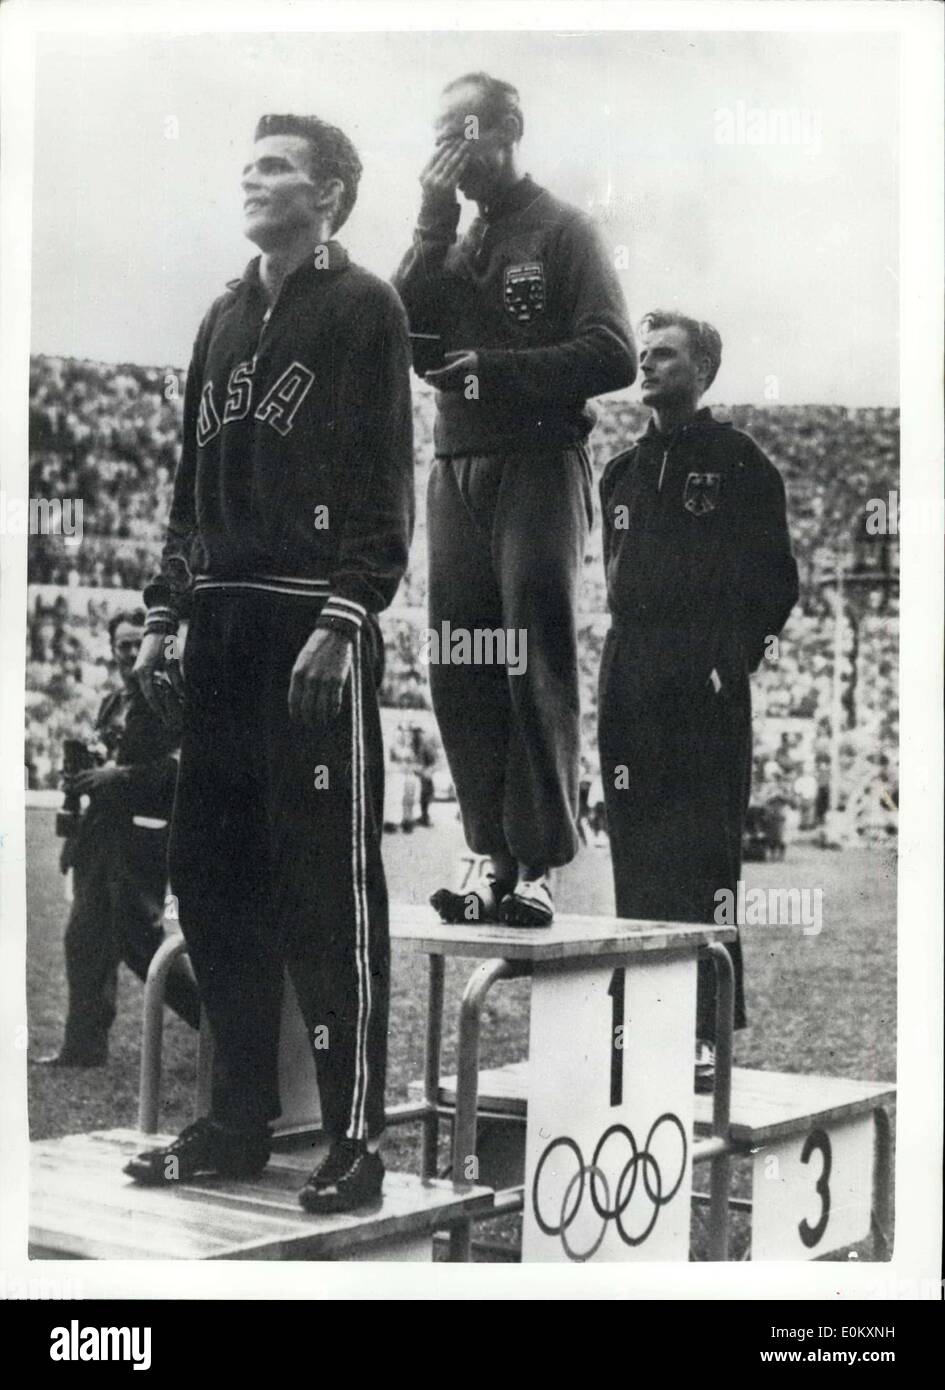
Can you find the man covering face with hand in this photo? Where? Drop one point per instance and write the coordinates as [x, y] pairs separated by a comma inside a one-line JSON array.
[[516, 325]]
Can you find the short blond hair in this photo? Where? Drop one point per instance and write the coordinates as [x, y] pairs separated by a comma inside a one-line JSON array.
[[704, 340]]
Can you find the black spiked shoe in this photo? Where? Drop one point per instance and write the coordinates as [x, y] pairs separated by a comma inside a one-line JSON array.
[[203, 1149], [350, 1177]]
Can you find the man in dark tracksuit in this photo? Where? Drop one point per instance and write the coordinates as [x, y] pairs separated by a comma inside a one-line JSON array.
[[291, 523], [700, 578], [528, 319], [119, 865]]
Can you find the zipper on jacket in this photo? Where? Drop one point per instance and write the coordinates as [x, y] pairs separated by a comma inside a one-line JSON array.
[[666, 453], [265, 323], [266, 318], [270, 311], [659, 485]]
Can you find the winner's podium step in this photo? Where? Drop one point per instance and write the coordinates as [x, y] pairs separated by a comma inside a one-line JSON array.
[[82, 1206], [765, 1104]]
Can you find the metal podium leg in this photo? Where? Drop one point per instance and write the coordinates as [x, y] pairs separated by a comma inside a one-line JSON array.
[[721, 1165], [431, 1069], [152, 1031], [467, 1086]]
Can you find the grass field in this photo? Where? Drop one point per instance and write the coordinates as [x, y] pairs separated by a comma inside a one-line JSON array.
[[816, 1003]]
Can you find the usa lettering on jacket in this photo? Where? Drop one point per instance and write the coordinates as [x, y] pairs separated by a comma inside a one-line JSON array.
[[278, 407], [295, 412]]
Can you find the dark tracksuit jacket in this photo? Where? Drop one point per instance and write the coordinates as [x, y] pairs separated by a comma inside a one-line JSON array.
[[531, 290], [120, 877], [293, 509], [699, 574]]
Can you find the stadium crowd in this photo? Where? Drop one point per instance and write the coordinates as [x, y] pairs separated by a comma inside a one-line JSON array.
[[109, 435]]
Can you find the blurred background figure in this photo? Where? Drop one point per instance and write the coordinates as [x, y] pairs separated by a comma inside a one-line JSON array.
[[805, 790], [596, 810], [425, 761], [776, 823], [117, 852], [402, 783]]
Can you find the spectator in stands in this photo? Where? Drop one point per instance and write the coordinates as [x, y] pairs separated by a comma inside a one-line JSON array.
[[118, 862]]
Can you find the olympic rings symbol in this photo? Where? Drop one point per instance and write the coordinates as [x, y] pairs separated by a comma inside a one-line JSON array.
[[592, 1177]]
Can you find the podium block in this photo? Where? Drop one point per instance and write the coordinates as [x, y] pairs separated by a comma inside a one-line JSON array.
[[608, 1156], [610, 1109], [811, 1193], [298, 1081]]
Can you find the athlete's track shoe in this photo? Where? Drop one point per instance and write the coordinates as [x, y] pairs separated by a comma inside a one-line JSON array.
[[350, 1177], [203, 1149], [71, 1059], [531, 905], [479, 903]]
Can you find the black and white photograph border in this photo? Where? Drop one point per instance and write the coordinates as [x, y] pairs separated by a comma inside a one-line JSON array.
[[813, 349]]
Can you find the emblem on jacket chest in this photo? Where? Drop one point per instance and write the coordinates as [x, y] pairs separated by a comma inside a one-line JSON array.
[[523, 290], [701, 493]]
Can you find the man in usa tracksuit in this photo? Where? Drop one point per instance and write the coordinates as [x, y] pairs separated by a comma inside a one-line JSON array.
[[289, 532], [700, 579], [521, 321]]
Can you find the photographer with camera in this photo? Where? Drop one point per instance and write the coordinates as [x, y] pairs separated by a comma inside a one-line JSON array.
[[118, 859]]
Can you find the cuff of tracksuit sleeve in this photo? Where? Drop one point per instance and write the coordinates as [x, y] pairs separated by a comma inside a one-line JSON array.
[[161, 618], [438, 219], [342, 615]]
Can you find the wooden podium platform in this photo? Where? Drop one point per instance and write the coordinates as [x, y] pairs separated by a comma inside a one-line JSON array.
[[83, 1207], [608, 1127], [766, 1105]]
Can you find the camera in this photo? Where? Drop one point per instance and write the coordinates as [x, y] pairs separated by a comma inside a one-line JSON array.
[[76, 757], [427, 351]]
